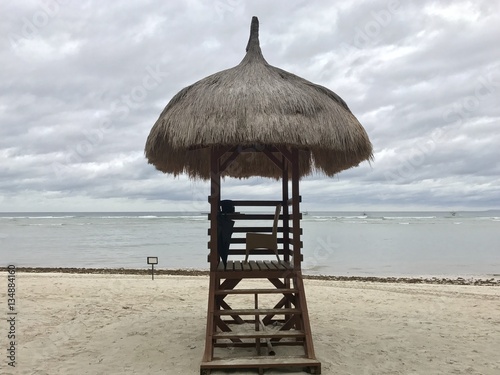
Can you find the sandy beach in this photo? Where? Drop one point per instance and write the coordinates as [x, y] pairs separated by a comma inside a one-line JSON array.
[[129, 324]]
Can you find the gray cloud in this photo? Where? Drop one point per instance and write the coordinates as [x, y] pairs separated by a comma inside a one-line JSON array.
[[83, 82]]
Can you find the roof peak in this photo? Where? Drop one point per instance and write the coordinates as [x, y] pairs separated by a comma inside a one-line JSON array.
[[253, 41]]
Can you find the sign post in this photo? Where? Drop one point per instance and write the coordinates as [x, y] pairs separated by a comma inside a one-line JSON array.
[[152, 261]]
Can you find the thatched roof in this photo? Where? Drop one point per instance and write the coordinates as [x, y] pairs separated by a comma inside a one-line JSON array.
[[251, 104]]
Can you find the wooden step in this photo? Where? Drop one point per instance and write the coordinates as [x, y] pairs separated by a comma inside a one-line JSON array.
[[263, 362], [256, 291], [258, 334], [257, 312]]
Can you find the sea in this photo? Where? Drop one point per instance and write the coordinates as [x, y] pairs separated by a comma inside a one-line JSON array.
[[379, 244]]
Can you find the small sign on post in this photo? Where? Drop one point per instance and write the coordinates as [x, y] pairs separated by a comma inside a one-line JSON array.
[[152, 261]]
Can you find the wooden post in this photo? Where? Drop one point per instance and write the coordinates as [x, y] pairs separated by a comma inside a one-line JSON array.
[[286, 224], [214, 257], [297, 252], [214, 207], [286, 215]]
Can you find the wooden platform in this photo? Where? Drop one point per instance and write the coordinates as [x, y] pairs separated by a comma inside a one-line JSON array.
[[260, 267]]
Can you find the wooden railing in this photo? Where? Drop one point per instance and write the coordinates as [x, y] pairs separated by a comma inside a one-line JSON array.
[[238, 240]]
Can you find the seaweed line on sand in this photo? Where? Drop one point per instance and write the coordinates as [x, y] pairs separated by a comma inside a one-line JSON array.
[[196, 272]]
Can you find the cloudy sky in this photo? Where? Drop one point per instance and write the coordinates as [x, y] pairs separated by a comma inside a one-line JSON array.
[[82, 83]]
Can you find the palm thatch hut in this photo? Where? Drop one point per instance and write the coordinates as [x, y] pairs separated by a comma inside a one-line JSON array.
[[257, 120], [255, 103]]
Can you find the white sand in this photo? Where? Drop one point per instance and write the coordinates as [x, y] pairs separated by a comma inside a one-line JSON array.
[[124, 324]]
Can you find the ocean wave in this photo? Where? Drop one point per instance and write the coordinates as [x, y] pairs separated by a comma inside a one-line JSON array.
[[35, 217], [408, 217], [45, 224], [50, 217], [334, 218], [150, 217], [485, 218]]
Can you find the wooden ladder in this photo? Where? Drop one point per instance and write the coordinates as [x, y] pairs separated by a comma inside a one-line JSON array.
[[283, 329]]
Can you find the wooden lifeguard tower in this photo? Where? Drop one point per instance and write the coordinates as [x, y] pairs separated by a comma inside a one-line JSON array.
[[288, 319], [257, 120]]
